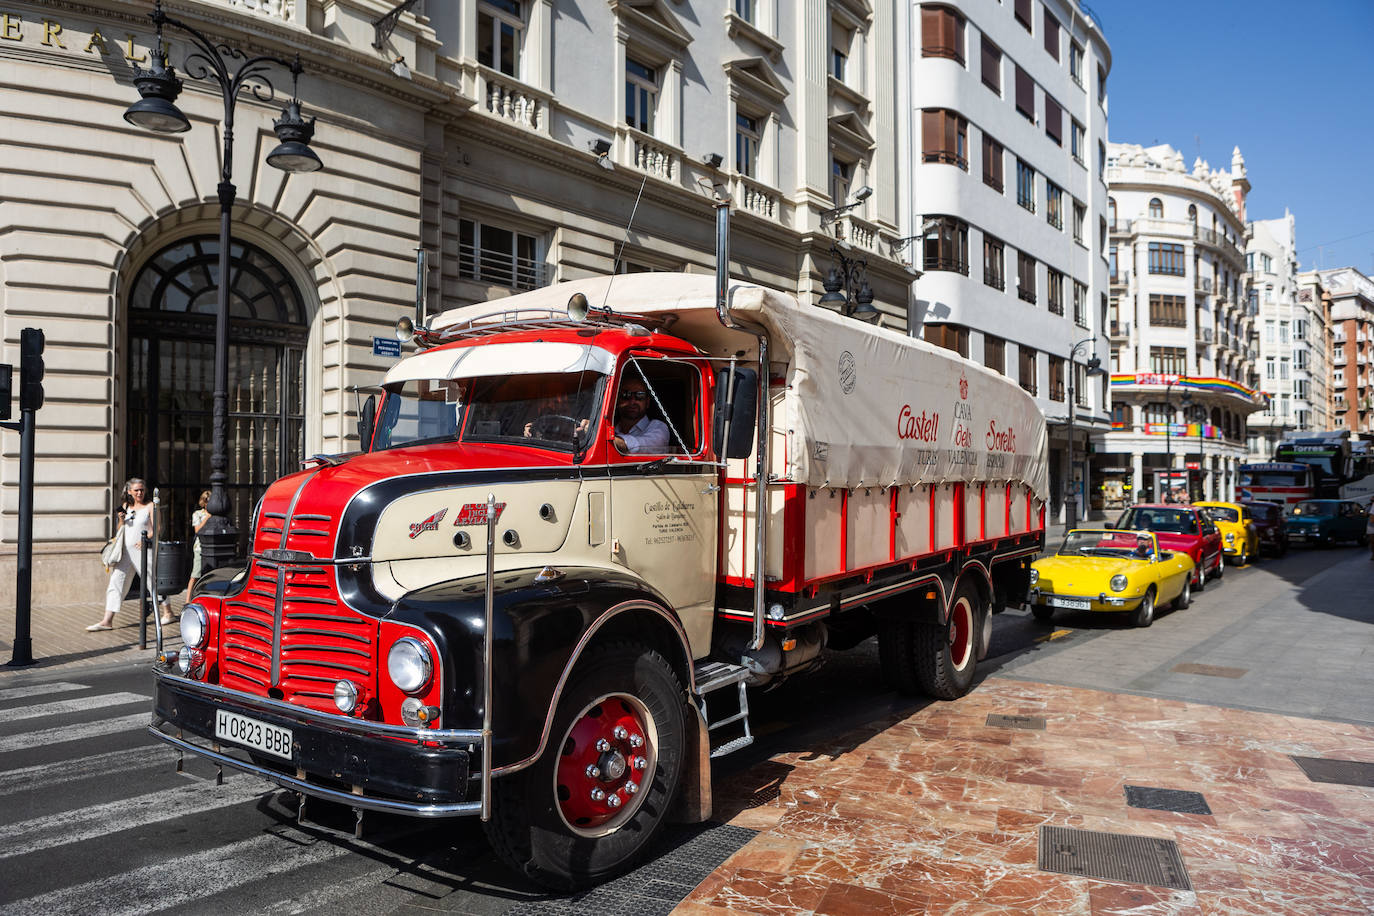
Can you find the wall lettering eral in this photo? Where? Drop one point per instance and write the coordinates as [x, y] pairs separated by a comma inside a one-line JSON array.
[[50, 34]]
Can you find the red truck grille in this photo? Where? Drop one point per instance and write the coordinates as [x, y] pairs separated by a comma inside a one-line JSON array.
[[318, 642]]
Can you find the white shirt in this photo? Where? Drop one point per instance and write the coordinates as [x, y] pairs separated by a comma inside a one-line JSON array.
[[136, 521], [646, 437]]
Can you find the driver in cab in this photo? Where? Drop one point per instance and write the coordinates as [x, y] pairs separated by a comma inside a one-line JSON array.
[[635, 432]]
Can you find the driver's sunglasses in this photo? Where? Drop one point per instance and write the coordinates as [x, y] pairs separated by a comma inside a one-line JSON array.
[[634, 395]]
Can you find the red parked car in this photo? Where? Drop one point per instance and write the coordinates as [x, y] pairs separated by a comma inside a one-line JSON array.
[[1181, 528]]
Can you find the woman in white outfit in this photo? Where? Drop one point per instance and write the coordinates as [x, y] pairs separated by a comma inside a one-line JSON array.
[[135, 517]]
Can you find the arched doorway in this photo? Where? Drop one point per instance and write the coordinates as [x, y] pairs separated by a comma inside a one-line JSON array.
[[172, 306]]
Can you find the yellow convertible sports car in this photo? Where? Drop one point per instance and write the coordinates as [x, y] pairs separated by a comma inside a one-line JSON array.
[[1111, 570], [1239, 536]]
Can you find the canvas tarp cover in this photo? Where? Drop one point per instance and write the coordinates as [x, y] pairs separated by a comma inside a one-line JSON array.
[[865, 406]]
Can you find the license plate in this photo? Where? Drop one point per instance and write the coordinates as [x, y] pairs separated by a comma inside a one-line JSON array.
[[1071, 603], [252, 733]]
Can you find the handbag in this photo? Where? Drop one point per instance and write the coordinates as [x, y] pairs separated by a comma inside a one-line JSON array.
[[113, 551]]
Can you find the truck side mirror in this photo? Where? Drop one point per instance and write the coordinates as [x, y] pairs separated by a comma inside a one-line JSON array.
[[366, 421], [740, 393]]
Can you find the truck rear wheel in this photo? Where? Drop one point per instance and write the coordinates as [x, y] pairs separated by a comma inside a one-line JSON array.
[[593, 802], [946, 656]]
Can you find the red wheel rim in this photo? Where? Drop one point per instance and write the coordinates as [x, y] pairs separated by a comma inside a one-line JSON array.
[[960, 633], [605, 765]]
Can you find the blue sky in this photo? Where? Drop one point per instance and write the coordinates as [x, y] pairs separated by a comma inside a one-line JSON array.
[[1291, 84]]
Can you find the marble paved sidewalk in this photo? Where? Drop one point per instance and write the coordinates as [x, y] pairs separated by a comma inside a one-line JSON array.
[[938, 812]]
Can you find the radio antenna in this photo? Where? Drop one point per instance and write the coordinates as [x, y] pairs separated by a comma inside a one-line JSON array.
[[615, 268]]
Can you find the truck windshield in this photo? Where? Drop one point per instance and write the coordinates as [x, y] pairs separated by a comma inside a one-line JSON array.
[[1323, 460], [1273, 479], [549, 410]]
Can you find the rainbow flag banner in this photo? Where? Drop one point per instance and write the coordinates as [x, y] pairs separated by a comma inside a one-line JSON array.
[[1186, 383]]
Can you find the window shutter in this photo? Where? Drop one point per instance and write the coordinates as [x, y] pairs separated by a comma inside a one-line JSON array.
[[1023, 13], [1051, 35], [1054, 120], [930, 132], [992, 65], [1025, 94]]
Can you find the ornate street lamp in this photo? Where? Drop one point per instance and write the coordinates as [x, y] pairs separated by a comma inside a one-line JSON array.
[[1094, 368], [846, 284], [156, 110]]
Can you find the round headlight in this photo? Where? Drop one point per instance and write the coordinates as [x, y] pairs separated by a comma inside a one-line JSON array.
[[346, 696], [409, 665], [1118, 583], [1035, 575], [1230, 537], [194, 626]]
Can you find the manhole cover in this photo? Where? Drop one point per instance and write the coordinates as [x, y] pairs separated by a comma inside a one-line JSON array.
[[1341, 772], [1210, 670], [1112, 857], [997, 720], [1179, 800]]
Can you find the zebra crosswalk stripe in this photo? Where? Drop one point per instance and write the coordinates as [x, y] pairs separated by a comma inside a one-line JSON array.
[[48, 737], [38, 690], [46, 775], [67, 707]]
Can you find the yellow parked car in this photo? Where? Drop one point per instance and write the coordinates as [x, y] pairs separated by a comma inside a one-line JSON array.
[[1111, 570], [1239, 536]]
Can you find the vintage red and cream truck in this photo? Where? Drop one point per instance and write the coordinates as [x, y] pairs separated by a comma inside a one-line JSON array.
[[576, 520]]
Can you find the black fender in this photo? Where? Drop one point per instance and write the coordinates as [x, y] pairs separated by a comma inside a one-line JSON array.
[[540, 629]]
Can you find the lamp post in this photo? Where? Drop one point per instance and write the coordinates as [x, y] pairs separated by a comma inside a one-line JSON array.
[[1094, 368], [846, 285], [156, 110], [1187, 404]]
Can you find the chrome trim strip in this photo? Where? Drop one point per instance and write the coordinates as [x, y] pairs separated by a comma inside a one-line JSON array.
[[291, 509], [487, 654], [276, 625], [300, 785]]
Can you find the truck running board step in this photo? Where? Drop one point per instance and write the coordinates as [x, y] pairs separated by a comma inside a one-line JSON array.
[[713, 676]]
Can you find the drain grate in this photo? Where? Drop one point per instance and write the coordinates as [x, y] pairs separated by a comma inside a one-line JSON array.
[[1179, 800], [997, 720], [1341, 772], [1210, 670], [1112, 857]]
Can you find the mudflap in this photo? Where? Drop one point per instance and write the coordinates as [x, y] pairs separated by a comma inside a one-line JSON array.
[[694, 802]]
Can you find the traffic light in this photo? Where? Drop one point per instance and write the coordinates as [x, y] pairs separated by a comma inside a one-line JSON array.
[[30, 369], [6, 390]]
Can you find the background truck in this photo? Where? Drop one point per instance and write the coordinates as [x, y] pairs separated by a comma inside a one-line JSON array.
[[576, 521]]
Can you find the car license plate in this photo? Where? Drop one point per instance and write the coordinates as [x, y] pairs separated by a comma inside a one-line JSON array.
[[1071, 603], [252, 733]]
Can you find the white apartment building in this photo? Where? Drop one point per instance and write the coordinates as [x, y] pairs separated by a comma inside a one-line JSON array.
[[510, 138], [1350, 298], [1182, 353], [1010, 105], [1292, 340]]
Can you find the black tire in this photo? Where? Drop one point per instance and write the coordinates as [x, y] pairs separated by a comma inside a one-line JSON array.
[[1200, 579], [530, 827], [1185, 597], [1144, 615], [1042, 612], [1221, 566], [946, 657]]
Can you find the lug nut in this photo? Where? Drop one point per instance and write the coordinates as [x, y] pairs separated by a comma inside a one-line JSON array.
[[603, 745], [593, 771], [641, 763], [636, 741], [613, 801], [598, 795], [631, 787], [620, 733]]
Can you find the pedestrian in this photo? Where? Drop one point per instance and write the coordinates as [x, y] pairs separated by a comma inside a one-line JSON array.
[[135, 519], [198, 520]]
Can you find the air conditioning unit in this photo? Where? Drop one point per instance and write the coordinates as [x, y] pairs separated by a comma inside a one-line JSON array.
[[1206, 334]]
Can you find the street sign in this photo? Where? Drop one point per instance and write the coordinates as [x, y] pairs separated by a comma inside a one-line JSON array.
[[386, 346]]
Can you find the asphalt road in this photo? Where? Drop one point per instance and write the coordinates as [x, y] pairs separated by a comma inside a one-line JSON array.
[[93, 815]]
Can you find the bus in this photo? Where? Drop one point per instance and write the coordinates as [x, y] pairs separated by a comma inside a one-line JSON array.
[[1359, 485], [1282, 482]]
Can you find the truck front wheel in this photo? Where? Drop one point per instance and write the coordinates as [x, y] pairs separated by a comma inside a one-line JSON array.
[[598, 795]]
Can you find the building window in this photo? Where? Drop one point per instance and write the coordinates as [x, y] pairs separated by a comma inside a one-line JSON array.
[[1025, 277], [1169, 360], [1080, 215], [1111, 211], [1076, 63], [746, 145], [841, 174], [1023, 13], [946, 245], [1025, 94], [1121, 416], [995, 354], [1167, 259], [1101, 85], [942, 33], [1080, 304], [1054, 205], [1025, 185], [744, 9], [992, 66], [1269, 332], [992, 163], [1168, 311], [1111, 263], [1051, 34], [949, 336], [839, 50], [1054, 285], [500, 30], [1269, 369], [1026, 369], [1076, 141], [1300, 331], [994, 262], [1266, 264], [944, 137], [1101, 159], [1054, 121], [1101, 234], [1192, 213], [641, 95], [1156, 208], [1056, 378], [500, 256]]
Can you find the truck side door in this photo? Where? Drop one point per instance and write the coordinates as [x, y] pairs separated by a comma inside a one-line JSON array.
[[664, 510]]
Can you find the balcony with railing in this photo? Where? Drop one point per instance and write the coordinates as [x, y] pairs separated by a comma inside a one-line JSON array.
[[1219, 241], [755, 197], [646, 153], [512, 101], [1119, 330], [861, 233]]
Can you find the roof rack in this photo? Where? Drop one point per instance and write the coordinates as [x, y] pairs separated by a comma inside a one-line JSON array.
[[502, 321]]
